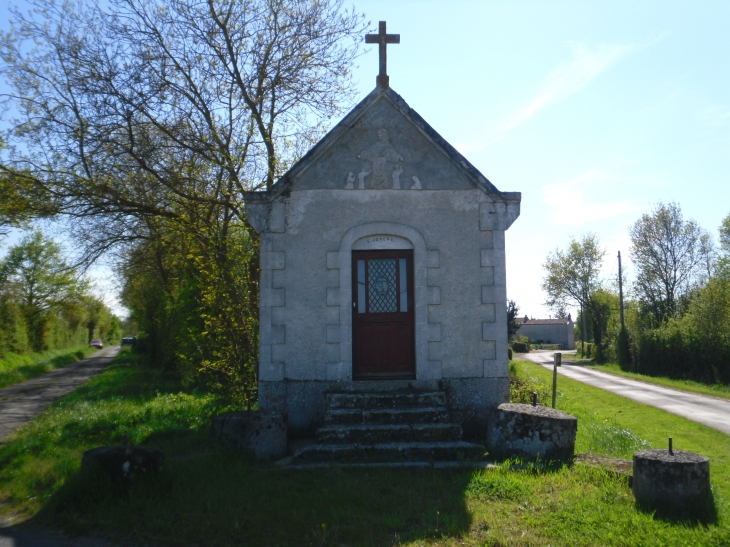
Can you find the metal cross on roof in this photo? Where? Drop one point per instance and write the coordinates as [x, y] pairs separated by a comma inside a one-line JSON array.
[[382, 39]]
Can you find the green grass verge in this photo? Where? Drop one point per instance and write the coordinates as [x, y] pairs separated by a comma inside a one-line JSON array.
[[211, 495], [714, 390], [19, 368]]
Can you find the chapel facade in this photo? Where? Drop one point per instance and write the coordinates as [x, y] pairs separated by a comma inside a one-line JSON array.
[[382, 268]]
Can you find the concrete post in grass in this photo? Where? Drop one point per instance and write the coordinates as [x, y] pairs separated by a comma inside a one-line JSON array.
[[557, 358]]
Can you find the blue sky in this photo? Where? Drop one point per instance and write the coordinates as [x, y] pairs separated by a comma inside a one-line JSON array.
[[595, 111]]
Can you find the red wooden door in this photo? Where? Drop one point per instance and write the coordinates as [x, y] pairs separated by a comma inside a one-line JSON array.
[[383, 328]]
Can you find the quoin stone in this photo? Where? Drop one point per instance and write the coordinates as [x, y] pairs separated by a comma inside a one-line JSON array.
[[674, 479], [382, 269], [532, 432]]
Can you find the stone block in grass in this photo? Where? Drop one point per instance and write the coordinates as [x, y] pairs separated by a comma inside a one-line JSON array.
[[531, 432], [126, 463], [676, 480], [263, 434]]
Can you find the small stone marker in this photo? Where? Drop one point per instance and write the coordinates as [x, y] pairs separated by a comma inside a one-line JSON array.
[[675, 479], [532, 431], [264, 434], [124, 462]]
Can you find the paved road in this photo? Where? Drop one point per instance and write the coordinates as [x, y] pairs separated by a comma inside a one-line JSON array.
[[20, 403], [710, 411]]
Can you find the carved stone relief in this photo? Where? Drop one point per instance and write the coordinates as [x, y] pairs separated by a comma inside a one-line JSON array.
[[396, 177], [380, 162]]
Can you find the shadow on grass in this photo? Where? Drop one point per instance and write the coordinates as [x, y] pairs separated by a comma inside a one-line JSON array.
[[209, 494], [222, 497], [697, 515]]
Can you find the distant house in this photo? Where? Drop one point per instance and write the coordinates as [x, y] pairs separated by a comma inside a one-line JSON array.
[[548, 331]]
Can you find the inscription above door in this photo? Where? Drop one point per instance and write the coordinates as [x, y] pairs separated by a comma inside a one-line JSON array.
[[383, 315]]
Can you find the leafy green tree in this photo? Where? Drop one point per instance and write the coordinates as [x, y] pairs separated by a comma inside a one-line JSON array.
[[35, 275], [512, 324], [724, 261], [127, 110], [147, 126], [572, 278], [13, 331], [670, 255]]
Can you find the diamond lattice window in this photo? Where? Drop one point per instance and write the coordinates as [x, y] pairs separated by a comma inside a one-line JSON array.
[[383, 294]]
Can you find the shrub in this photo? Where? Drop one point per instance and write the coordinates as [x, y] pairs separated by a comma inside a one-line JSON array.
[[586, 350], [522, 386], [693, 347], [509, 353], [622, 348], [520, 347]]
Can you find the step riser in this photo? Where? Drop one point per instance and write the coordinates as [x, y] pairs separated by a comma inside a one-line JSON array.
[[347, 417], [388, 416], [415, 433], [378, 453], [368, 401]]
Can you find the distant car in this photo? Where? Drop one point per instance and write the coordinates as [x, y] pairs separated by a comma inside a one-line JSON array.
[[128, 341], [96, 344]]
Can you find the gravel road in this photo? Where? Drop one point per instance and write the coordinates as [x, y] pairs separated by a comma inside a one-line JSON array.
[[20, 403]]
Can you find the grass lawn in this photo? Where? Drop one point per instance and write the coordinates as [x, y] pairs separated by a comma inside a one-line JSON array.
[[211, 495], [19, 368], [714, 390]]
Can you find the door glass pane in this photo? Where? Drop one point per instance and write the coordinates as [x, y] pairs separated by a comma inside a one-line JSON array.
[[360, 286], [381, 278], [403, 285]]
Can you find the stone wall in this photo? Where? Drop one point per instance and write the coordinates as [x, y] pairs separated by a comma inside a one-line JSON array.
[[306, 300]]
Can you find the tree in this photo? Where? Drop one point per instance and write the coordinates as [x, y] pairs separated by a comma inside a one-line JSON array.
[[723, 262], [146, 123], [725, 236], [19, 202], [572, 276], [670, 255], [130, 110], [35, 274], [512, 325]]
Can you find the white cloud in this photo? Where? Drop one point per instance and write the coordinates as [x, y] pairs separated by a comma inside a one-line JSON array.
[[567, 79], [561, 83], [584, 200], [717, 115]]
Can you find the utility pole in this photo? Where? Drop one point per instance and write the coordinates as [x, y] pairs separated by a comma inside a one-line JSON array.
[[583, 331], [620, 291]]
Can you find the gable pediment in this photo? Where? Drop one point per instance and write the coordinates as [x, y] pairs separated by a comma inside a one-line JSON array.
[[383, 144]]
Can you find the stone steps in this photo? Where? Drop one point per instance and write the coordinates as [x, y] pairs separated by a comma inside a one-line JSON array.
[[439, 432], [391, 452], [397, 399], [388, 427], [383, 416]]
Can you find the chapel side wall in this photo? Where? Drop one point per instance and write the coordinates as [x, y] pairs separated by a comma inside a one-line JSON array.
[[305, 300]]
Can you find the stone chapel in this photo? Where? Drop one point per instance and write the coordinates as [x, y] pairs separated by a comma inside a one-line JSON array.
[[382, 269]]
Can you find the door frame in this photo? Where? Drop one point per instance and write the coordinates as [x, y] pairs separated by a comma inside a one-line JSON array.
[[340, 295], [408, 317]]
